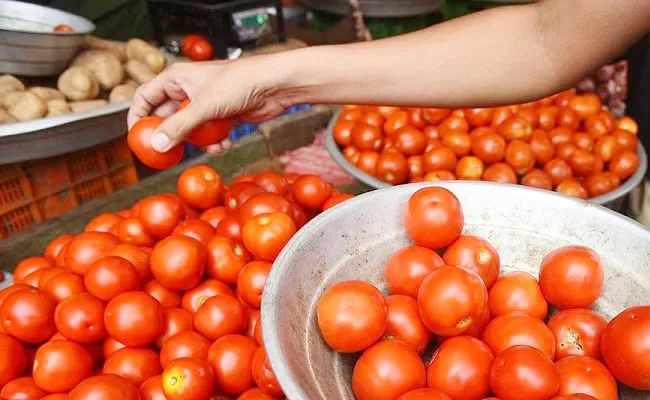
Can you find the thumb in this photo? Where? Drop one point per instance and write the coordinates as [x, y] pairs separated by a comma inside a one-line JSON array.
[[177, 126]]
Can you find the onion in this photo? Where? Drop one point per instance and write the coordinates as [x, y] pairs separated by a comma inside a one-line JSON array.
[[586, 85], [603, 93], [606, 73], [621, 66], [620, 77]]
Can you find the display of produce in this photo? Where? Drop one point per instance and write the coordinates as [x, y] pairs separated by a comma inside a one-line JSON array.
[[106, 72], [489, 334], [160, 300], [610, 83], [567, 143]]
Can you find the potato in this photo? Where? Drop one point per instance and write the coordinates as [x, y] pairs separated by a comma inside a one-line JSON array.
[[57, 107], [121, 93], [115, 48], [8, 84], [138, 71], [78, 83], [5, 117], [139, 50], [83, 106], [105, 67], [46, 94], [25, 106]]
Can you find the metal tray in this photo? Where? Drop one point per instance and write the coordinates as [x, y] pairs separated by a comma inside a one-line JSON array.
[[607, 199], [354, 240]]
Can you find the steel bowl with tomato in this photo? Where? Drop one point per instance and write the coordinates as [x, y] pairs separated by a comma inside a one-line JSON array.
[[328, 300]]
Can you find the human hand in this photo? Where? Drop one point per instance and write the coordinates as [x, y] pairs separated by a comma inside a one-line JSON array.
[[250, 90]]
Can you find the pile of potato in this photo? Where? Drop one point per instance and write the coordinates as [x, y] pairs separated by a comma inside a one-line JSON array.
[[106, 72]]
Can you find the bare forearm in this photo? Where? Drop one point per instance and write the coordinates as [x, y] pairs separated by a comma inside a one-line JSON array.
[[502, 56]]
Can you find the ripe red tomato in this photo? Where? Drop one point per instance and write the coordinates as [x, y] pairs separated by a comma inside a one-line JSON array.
[[547, 116], [264, 376], [103, 223], [264, 203], [519, 156], [197, 48], [266, 235], [407, 268], [110, 276], [559, 171], [138, 256], [567, 118], [230, 226], [577, 332], [152, 389], [624, 345], [166, 297], [176, 320], [351, 315], [110, 346], [188, 40], [195, 229], [515, 128], [470, 168], [239, 193], [200, 187], [105, 387], [30, 265], [186, 344], [571, 277], [86, 248], [441, 158], [193, 299], [517, 292], [177, 262], [80, 318], [404, 323], [475, 254], [410, 141], [539, 179], [392, 167], [366, 137], [209, 132], [219, 316], [451, 299], [139, 140], [500, 172], [231, 358], [214, 215], [575, 396], [311, 192], [489, 147], [60, 365], [511, 372], [225, 259], [251, 280], [135, 365], [582, 162], [517, 329], [541, 146], [343, 132], [433, 209], [253, 394], [134, 318], [188, 378], [572, 187], [396, 120], [14, 359], [63, 28], [160, 214], [425, 394], [131, 230], [586, 105], [22, 388], [386, 371], [586, 375], [28, 315], [336, 200], [460, 367], [624, 164]]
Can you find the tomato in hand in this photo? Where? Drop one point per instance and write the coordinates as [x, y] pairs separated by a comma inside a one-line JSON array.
[[451, 299], [188, 378], [134, 318], [475, 254], [231, 358], [460, 367], [80, 318], [135, 365], [404, 323], [517, 329], [105, 387], [352, 316], [624, 347], [433, 209], [510, 376], [177, 262], [517, 292], [386, 371], [209, 132], [266, 234], [139, 140], [264, 376], [14, 359], [407, 268], [571, 277], [577, 332], [219, 316], [60, 365], [586, 375], [28, 315]]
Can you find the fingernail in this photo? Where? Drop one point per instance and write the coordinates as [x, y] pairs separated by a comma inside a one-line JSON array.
[[160, 142]]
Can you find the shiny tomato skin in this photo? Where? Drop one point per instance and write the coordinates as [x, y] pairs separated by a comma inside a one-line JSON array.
[[110, 276], [135, 365], [311, 192], [342, 132], [200, 186], [475, 254], [571, 277], [110, 346], [186, 344], [392, 167], [103, 223], [575, 396], [22, 389], [177, 262], [86, 248], [460, 367], [134, 318], [264, 376], [62, 286], [351, 315], [231, 227], [28, 315], [264, 203], [188, 378], [425, 394], [80, 318], [517, 329], [151, 389], [214, 215], [407, 268], [433, 209], [193, 299], [238, 193], [131, 230], [266, 235], [539, 179], [14, 359], [226, 259], [231, 358], [404, 323], [459, 292], [511, 371], [138, 256], [250, 283], [60, 365], [624, 164], [210, 132], [166, 297], [386, 371], [105, 387], [139, 140], [336, 200], [517, 292], [624, 345], [489, 147], [219, 316], [176, 320], [577, 332], [586, 375], [500, 172], [30, 264], [160, 214], [410, 141]]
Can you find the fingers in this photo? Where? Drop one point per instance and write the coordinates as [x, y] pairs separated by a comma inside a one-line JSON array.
[[154, 93], [177, 126]]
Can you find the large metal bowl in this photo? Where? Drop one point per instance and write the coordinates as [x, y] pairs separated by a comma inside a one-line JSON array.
[[611, 199], [354, 239], [28, 44]]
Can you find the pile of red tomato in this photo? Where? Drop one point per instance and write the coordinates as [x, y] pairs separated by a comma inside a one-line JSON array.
[[565, 142], [492, 334], [158, 301]]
